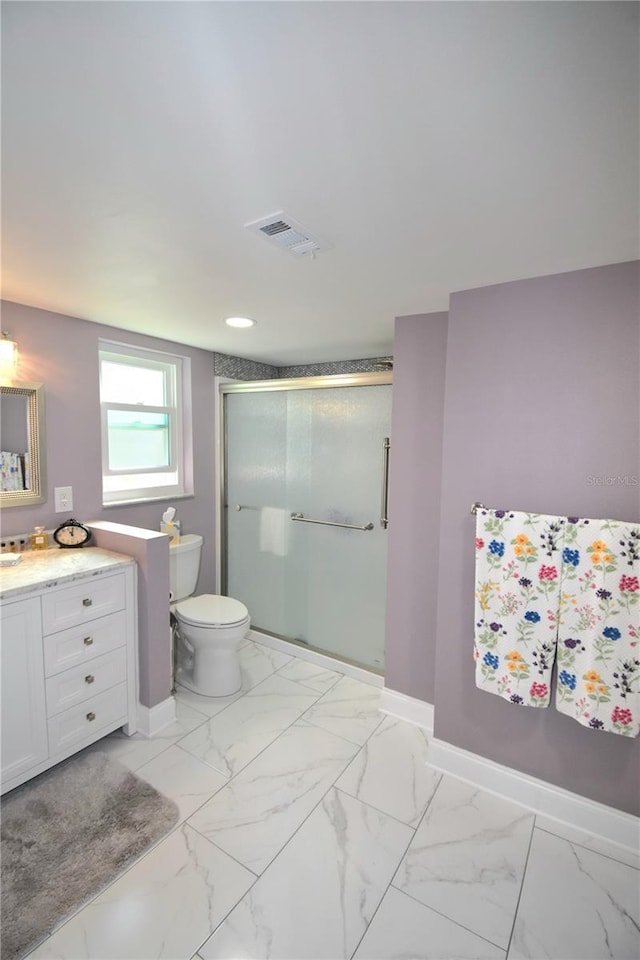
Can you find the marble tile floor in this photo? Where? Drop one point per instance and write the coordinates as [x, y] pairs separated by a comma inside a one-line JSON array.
[[311, 826]]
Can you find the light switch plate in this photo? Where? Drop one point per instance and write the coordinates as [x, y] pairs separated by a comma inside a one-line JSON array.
[[63, 498]]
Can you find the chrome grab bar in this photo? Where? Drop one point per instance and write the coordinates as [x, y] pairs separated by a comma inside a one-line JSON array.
[[384, 508], [331, 523], [245, 506]]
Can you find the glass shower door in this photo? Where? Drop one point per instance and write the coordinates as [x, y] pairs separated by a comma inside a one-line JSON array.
[[296, 456]]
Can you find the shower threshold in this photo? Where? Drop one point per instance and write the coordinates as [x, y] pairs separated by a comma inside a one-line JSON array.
[[328, 661]]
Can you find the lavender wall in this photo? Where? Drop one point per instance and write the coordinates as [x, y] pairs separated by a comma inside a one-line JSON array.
[[542, 394], [62, 353], [150, 550], [414, 503]]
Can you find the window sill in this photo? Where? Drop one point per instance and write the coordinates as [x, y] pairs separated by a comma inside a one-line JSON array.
[[142, 500]]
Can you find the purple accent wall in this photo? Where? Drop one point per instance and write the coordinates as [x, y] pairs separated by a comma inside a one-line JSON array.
[[62, 353], [420, 346], [542, 405], [151, 552]]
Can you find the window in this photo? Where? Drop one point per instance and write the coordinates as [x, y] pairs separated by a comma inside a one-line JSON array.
[[143, 403]]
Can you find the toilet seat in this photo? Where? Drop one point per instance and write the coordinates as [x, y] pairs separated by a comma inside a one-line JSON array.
[[212, 610]]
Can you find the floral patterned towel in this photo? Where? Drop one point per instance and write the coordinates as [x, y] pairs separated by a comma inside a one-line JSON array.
[[517, 581], [599, 625], [547, 583]]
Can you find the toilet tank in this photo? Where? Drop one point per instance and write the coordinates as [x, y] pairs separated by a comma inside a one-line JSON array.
[[184, 565]]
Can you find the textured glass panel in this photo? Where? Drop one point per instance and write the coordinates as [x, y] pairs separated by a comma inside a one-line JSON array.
[[319, 453], [256, 482], [339, 478]]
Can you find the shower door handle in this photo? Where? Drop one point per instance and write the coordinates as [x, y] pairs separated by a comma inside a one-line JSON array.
[[384, 507], [331, 523]]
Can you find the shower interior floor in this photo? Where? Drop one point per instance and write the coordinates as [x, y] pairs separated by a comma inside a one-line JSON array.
[[312, 826]]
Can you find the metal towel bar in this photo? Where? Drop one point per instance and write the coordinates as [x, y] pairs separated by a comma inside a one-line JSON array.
[[301, 516], [331, 523]]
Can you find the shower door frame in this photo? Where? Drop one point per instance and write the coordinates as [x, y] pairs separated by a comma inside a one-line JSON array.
[[263, 386]]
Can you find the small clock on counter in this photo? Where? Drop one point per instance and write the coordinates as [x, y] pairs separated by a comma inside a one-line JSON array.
[[72, 533]]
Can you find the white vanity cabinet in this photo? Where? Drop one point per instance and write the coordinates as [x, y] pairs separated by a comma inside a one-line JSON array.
[[24, 714], [69, 664]]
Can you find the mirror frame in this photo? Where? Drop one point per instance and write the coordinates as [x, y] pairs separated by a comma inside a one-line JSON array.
[[34, 393]]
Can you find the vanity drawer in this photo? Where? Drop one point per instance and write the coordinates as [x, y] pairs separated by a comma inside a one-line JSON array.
[[65, 690], [69, 648], [96, 597], [78, 724]]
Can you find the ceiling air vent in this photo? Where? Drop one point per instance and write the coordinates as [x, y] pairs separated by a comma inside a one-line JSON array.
[[286, 234]]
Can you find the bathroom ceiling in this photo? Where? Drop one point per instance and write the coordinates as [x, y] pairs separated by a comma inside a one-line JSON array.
[[433, 147]]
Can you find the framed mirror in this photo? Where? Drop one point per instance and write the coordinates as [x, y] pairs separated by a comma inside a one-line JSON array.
[[22, 466]]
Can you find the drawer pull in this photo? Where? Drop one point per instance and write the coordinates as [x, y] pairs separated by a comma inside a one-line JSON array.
[[89, 678], [87, 602], [91, 715], [88, 641]]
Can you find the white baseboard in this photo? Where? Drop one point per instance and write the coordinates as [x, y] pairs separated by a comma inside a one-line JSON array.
[[320, 659], [407, 708], [153, 719], [597, 819]]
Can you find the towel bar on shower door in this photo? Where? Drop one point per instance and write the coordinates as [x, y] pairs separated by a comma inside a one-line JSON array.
[[331, 523]]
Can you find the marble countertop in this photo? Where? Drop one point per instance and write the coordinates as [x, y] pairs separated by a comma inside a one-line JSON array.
[[39, 569]]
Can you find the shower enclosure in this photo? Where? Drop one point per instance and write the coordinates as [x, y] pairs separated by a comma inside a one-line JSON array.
[[305, 471]]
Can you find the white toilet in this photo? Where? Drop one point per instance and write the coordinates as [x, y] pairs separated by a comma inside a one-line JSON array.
[[210, 627]]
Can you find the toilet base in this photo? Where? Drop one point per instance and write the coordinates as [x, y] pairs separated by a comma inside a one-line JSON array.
[[215, 673], [208, 659], [184, 682]]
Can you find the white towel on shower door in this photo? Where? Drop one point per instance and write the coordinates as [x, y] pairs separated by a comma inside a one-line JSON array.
[[274, 531]]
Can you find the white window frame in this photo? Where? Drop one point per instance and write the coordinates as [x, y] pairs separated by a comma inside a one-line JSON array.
[[128, 486]]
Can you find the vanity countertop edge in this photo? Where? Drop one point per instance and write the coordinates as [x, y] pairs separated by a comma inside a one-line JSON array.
[[41, 569]]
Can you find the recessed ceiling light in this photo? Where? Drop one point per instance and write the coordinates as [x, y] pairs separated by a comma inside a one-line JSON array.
[[240, 322]]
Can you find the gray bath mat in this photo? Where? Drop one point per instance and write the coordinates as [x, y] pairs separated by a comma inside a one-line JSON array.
[[66, 835]]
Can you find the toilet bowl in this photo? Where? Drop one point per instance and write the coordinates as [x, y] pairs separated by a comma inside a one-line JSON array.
[[209, 627], [210, 630]]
